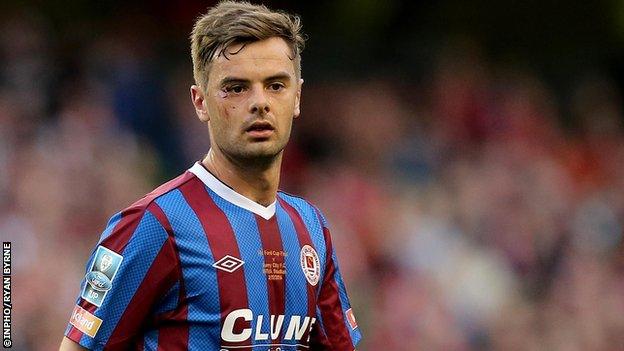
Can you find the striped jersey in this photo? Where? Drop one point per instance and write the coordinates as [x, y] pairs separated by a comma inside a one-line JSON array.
[[194, 265]]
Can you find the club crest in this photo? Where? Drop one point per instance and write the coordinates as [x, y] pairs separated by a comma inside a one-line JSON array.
[[310, 264]]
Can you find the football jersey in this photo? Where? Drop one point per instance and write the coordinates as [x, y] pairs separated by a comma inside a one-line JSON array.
[[195, 265]]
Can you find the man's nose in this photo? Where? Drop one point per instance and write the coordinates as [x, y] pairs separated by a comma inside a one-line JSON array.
[[259, 102]]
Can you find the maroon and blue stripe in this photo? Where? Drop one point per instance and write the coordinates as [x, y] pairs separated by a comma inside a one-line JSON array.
[[222, 242]]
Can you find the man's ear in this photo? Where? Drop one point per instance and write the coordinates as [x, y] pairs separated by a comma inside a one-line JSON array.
[[297, 110], [198, 97]]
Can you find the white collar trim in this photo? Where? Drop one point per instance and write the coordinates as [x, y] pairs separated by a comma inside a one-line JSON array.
[[230, 195]]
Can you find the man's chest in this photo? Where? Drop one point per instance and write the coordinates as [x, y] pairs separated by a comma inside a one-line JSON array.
[[253, 281], [257, 260]]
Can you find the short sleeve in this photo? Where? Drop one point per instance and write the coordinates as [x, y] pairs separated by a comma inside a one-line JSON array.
[[132, 266], [336, 327]]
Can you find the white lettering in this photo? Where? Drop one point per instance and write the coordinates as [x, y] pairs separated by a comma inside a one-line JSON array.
[[227, 333], [295, 329], [78, 317], [276, 328], [259, 334], [87, 324]]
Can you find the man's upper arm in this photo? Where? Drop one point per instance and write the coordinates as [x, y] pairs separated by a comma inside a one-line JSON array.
[[132, 266], [69, 345]]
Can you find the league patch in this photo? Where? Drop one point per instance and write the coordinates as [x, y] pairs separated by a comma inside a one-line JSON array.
[[351, 318], [310, 264], [85, 321], [99, 279]]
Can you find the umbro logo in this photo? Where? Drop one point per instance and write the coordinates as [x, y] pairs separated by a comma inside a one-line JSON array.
[[228, 264]]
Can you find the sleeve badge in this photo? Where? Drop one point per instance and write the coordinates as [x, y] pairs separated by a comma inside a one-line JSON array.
[[99, 278]]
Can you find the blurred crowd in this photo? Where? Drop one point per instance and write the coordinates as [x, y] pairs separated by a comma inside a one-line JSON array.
[[466, 214]]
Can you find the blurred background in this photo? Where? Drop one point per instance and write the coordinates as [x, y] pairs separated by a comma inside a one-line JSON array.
[[469, 157]]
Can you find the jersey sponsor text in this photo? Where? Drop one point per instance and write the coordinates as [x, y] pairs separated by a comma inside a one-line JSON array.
[[295, 328]]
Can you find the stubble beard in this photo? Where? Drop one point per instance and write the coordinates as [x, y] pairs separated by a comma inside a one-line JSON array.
[[253, 155]]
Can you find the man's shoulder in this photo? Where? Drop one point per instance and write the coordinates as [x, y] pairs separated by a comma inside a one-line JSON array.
[[148, 201], [143, 220], [303, 206], [294, 200]]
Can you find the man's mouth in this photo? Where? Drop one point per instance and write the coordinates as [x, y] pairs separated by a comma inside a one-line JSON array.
[[260, 129]]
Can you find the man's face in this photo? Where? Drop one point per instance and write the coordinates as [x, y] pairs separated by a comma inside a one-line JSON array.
[[250, 100]]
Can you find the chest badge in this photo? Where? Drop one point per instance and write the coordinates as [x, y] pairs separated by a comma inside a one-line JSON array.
[[310, 264]]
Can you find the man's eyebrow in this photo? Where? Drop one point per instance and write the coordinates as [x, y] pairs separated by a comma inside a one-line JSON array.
[[278, 76], [230, 80]]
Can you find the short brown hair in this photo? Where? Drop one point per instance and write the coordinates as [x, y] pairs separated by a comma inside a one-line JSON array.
[[231, 22]]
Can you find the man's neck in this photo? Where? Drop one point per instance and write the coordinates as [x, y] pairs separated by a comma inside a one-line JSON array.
[[257, 183]]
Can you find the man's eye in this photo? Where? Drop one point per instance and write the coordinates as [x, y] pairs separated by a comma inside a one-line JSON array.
[[276, 86], [236, 89]]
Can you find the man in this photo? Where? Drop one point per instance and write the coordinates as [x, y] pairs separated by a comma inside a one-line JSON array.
[[218, 259]]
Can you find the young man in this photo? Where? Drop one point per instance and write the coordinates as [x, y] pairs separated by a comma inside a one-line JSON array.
[[218, 259]]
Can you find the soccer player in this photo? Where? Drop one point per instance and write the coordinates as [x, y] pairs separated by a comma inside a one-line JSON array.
[[218, 258]]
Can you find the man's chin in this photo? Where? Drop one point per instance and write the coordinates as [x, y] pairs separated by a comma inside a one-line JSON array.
[[260, 152]]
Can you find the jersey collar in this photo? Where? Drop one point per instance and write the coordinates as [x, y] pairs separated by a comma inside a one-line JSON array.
[[229, 194]]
